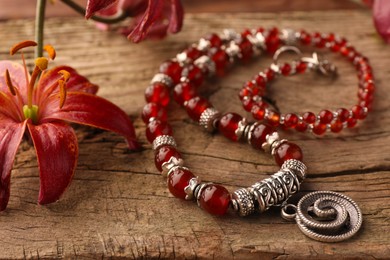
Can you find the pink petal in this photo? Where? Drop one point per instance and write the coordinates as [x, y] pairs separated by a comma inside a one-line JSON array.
[[10, 107], [87, 109], [18, 77], [57, 152], [11, 134], [381, 13], [94, 6]]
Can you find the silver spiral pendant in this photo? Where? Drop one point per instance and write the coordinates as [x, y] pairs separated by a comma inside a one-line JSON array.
[[325, 216]]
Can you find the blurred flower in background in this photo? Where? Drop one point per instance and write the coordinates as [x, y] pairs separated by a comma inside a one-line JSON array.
[[381, 16]]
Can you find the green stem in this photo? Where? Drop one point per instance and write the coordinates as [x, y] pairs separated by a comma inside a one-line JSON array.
[[39, 26], [118, 17]]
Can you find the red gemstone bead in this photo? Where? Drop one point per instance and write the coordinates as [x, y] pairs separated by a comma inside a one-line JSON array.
[[343, 114], [163, 154], [351, 122], [301, 127], [286, 69], [319, 129], [273, 118], [228, 125], [272, 41], [195, 107], [172, 69], [301, 67], [335, 47], [157, 93], [336, 126], [260, 81], [366, 96], [214, 40], [319, 40], [259, 134], [248, 104], [178, 180], [184, 91], [215, 199], [195, 75], [369, 87], [309, 117], [153, 110], [193, 53], [305, 38], [358, 112], [157, 128], [221, 60], [258, 112], [246, 49], [325, 117], [291, 120], [287, 151], [270, 74]]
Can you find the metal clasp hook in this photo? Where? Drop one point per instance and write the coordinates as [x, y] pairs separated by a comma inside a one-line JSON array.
[[322, 65]]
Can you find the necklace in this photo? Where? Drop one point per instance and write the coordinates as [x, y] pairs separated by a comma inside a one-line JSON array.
[[212, 56]]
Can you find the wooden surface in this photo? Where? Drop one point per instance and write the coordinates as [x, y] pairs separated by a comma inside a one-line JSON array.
[[118, 204]]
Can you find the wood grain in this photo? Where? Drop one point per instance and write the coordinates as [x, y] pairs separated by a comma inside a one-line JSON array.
[[118, 204]]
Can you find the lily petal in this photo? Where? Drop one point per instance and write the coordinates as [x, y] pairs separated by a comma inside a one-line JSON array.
[[18, 77], [48, 83], [94, 6], [11, 134], [57, 151], [87, 109], [177, 15], [381, 13]]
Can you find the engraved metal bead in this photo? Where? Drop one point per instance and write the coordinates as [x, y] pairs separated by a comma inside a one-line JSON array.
[[243, 202], [162, 78], [203, 45], [233, 50], [206, 64], [230, 34], [297, 167], [163, 140], [242, 126], [288, 36], [172, 162], [190, 189], [208, 117], [198, 191], [270, 139]]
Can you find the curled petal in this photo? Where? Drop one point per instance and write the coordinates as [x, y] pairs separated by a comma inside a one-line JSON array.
[[94, 6], [381, 13], [11, 134], [57, 151], [176, 16], [87, 109]]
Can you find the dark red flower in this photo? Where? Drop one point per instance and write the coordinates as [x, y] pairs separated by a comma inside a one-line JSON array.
[[381, 14], [60, 95], [151, 18]]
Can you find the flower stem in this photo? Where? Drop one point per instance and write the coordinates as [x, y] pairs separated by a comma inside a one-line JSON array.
[[118, 17], [39, 26]]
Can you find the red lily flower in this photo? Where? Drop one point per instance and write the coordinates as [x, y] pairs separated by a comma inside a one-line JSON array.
[[152, 18], [60, 95], [381, 13]]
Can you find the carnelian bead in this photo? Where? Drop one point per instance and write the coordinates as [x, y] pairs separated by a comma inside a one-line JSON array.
[[301, 127], [195, 75], [291, 120], [228, 125], [246, 50], [157, 93], [272, 41], [172, 69], [193, 53], [325, 117], [157, 128], [270, 74], [319, 40], [195, 107], [301, 67], [309, 117], [358, 112], [336, 126], [183, 91], [153, 110], [163, 154], [343, 114], [248, 104], [221, 61], [259, 134], [305, 37], [319, 129], [214, 199], [273, 118], [285, 69], [260, 81], [351, 122], [287, 151], [214, 40], [178, 180], [258, 112]]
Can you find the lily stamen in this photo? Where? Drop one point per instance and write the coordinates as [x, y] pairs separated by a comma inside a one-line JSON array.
[[50, 51], [40, 65], [8, 81], [22, 45], [62, 85]]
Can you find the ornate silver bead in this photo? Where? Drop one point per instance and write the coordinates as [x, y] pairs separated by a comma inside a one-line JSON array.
[[243, 202], [288, 36], [258, 41], [206, 64], [203, 45], [233, 50], [163, 140], [190, 189], [183, 59], [230, 34], [208, 117], [297, 167], [242, 126], [171, 163], [198, 191], [162, 78], [272, 142]]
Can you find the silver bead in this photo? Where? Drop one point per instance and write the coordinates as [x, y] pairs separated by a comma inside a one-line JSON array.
[[258, 41], [163, 140], [230, 34], [198, 191], [243, 202], [191, 187], [206, 64], [203, 45], [233, 50], [297, 167], [162, 78], [183, 59], [270, 139], [208, 118], [171, 163], [288, 37], [242, 126], [249, 132]]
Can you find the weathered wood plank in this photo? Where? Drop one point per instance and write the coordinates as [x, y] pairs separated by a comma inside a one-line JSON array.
[[118, 204]]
